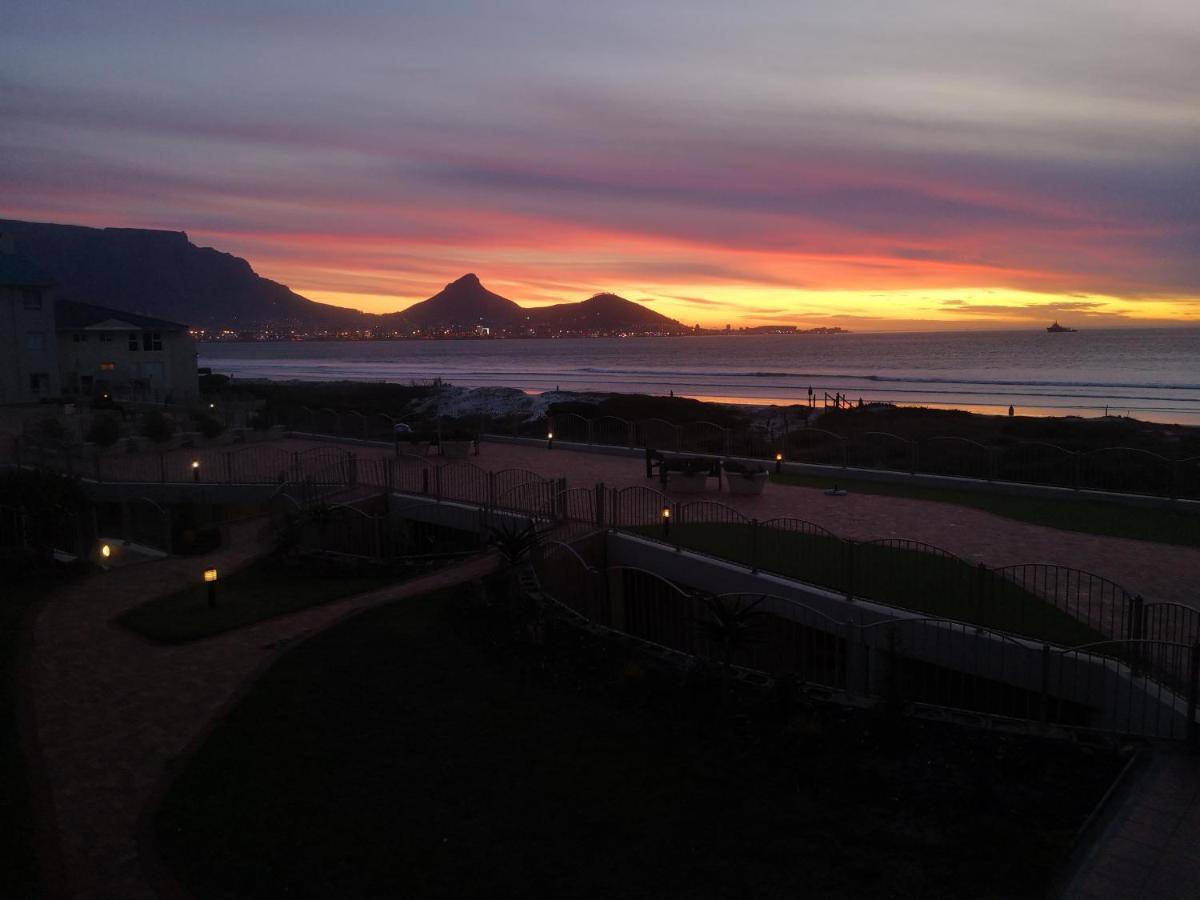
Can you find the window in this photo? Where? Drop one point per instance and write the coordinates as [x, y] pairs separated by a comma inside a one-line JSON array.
[[133, 343], [35, 342], [38, 382], [31, 298], [106, 338], [151, 340], [79, 338]]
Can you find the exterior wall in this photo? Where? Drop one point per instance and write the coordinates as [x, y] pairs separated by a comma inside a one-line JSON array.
[[20, 357], [166, 375]]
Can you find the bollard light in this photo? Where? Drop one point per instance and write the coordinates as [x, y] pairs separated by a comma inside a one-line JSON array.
[[210, 579], [778, 462], [210, 575], [666, 520], [549, 440], [195, 470], [106, 551]]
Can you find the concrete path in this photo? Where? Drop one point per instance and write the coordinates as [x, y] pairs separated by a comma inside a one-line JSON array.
[[1150, 849], [113, 712]]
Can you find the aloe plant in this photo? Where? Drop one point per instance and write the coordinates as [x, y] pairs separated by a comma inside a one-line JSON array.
[[730, 624]]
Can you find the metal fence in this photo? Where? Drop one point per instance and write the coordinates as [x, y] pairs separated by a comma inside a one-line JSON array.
[[924, 661]]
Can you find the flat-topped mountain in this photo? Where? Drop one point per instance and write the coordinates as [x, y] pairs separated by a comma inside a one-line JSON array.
[[164, 275]]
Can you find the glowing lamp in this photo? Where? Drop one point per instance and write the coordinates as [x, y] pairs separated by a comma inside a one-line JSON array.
[[106, 551], [210, 575], [778, 462], [666, 520], [549, 440], [195, 470]]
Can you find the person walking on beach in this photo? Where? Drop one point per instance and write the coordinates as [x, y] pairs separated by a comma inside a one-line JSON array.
[[1011, 411]]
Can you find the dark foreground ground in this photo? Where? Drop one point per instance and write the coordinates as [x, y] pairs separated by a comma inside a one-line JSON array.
[[423, 750]]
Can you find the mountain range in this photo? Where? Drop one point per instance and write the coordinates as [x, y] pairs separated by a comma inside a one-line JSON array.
[[165, 275]]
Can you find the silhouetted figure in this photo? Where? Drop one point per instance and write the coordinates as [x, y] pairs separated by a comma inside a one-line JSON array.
[[1011, 411]]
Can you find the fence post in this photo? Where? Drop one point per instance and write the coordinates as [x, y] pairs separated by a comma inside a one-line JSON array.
[[1136, 625], [754, 546], [425, 481], [437, 480], [1193, 690], [981, 574], [162, 467], [849, 570], [491, 490], [600, 503], [229, 467], [1044, 712], [913, 460], [1075, 479], [296, 466]]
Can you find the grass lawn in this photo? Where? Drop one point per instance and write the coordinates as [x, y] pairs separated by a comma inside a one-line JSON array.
[[1164, 526], [261, 590], [923, 582], [414, 752]]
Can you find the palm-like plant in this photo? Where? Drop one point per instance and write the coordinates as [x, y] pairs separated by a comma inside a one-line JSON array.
[[730, 623], [514, 542]]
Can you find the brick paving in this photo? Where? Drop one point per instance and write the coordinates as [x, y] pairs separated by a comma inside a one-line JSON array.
[[112, 712], [1159, 572]]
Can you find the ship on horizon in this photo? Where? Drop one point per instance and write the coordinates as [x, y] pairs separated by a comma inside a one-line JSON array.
[[1057, 329]]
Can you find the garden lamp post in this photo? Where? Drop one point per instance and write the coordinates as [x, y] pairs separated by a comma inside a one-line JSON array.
[[778, 463], [210, 579], [195, 470], [549, 440], [666, 520]]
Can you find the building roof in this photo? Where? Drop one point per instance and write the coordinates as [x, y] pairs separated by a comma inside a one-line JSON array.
[[17, 270], [70, 315]]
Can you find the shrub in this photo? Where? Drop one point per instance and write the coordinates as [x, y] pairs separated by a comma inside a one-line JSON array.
[[208, 426], [259, 422], [157, 427], [104, 431]]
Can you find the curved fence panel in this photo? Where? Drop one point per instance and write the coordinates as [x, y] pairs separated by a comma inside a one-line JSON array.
[[325, 465], [1077, 607], [506, 479], [913, 575], [571, 427], [353, 424], [577, 505], [148, 523], [613, 431], [463, 481], [1034, 462], [804, 551], [814, 445], [756, 442], [782, 638], [326, 421], [259, 464], [1127, 470], [655, 609], [637, 507], [657, 434], [955, 456], [567, 577], [532, 498], [707, 526], [13, 528], [1120, 698], [881, 450], [704, 437]]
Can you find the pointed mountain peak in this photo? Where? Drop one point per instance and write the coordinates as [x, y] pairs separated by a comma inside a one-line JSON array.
[[468, 280]]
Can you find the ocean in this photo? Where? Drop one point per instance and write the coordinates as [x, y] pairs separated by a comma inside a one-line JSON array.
[[1151, 374]]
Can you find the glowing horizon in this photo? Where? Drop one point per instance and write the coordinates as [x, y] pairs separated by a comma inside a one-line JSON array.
[[910, 166]]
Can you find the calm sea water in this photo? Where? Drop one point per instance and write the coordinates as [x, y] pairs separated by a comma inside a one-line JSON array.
[[1151, 374]]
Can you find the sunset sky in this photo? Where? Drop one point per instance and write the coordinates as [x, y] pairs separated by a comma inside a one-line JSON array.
[[876, 165]]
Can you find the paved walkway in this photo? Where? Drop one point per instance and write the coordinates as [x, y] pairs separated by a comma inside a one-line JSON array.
[[113, 712], [1159, 572], [1150, 849]]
